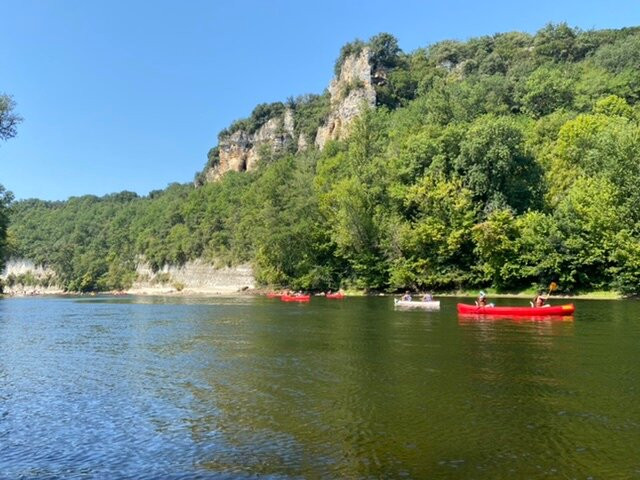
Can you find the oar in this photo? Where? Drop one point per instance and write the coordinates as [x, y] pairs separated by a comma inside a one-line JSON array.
[[553, 286]]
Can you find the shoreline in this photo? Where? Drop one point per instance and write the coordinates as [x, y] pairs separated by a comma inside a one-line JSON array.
[[257, 292]]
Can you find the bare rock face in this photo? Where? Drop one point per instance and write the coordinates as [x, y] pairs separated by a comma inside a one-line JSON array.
[[351, 92], [240, 151], [193, 277], [22, 277], [303, 144]]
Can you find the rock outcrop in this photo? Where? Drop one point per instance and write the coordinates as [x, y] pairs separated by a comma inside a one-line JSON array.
[[193, 277], [351, 91], [240, 151], [23, 277]]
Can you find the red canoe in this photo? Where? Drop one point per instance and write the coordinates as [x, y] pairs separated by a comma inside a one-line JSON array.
[[567, 309], [335, 295], [274, 295], [295, 298]]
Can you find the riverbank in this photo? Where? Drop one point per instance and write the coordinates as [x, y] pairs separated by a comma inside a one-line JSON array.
[[232, 291], [595, 295]]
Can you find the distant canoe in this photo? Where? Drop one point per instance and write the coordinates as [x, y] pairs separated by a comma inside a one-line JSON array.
[[433, 305], [295, 298], [567, 309], [335, 295], [274, 295]]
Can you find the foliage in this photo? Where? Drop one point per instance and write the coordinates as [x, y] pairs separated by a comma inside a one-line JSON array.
[[309, 111], [496, 167], [385, 51], [547, 89], [5, 200], [9, 120], [259, 116], [509, 160], [347, 50]]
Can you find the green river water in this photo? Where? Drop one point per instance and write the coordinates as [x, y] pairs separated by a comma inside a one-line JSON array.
[[146, 387]]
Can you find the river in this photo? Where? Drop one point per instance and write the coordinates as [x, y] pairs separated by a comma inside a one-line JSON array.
[[172, 388]]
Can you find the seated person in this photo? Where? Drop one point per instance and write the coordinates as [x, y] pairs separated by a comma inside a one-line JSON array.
[[482, 300], [406, 297], [427, 297], [539, 301]]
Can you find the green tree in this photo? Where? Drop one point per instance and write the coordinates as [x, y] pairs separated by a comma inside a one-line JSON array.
[[433, 248], [385, 52], [556, 42], [5, 201], [9, 119], [590, 220], [495, 166], [546, 90]]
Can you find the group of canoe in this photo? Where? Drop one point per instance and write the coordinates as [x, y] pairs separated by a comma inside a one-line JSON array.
[[463, 308], [490, 309], [301, 297]]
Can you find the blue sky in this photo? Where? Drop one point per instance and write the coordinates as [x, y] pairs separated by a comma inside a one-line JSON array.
[[129, 95]]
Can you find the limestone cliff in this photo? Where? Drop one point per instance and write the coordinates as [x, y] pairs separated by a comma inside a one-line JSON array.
[[193, 277], [23, 277], [351, 91], [240, 150]]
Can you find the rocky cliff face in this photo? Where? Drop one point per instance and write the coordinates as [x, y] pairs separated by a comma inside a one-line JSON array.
[[240, 151], [23, 277], [193, 277], [350, 92]]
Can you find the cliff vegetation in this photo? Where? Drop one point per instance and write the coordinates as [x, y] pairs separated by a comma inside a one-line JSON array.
[[509, 160]]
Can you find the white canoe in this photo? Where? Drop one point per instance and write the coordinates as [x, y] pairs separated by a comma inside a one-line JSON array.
[[434, 305]]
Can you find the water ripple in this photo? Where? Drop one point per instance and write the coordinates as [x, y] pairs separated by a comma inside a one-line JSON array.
[[239, 388]]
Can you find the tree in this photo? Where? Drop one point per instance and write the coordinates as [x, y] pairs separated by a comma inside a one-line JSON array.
[[546, 90], [434, 244], [556, 42], [495, 166], [590, 219], [384, 50], [9, 120], [5, 200]]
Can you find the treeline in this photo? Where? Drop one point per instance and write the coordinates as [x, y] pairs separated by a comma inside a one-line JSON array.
[[9, 121], [508, 160]]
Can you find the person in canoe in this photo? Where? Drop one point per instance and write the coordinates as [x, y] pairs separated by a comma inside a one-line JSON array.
[[427, 297], [406, 297], [540, 300], [482, 300]]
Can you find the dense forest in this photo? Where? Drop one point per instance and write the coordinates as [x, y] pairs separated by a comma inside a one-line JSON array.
[[509, 160]]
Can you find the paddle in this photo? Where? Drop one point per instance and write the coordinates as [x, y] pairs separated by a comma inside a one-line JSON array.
[[553, 286]]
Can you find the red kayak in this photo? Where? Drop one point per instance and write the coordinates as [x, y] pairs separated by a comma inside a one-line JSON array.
[[567, 309], [274, 295], [334, 295], [295, 298]]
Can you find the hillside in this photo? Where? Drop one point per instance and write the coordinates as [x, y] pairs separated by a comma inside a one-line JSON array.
[[508, 161]]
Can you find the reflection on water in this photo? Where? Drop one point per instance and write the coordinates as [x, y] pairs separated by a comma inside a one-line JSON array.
[[145, 387]]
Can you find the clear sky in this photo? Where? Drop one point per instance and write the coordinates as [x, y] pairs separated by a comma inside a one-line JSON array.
[[130, 95]]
